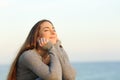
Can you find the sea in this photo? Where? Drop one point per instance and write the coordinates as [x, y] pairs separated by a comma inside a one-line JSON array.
[[85, 70]]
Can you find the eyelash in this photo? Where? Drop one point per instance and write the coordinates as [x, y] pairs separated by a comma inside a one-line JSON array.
[[48, 30]]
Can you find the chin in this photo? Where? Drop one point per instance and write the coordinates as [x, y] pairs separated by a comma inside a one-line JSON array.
[[53, 41]]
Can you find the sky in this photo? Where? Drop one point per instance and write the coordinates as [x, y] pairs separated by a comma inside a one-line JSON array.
[[89, 29]]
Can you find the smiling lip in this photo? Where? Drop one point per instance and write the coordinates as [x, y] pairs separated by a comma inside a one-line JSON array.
[[52, 37]]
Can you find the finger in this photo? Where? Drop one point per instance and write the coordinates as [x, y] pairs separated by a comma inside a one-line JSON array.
[[41, 42], [45, 40]]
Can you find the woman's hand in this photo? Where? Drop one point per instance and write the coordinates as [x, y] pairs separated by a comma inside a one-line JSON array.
[[45, 44]]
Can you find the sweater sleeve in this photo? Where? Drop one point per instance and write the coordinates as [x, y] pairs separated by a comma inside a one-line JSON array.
[[34, 62], [68, 72]]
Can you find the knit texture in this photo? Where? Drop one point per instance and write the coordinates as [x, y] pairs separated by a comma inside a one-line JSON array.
[[31, 67]]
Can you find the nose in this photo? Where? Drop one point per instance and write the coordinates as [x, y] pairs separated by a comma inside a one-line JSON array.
[[52, 32]]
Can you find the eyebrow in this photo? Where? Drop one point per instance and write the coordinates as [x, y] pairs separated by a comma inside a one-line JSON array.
[[48, 28]]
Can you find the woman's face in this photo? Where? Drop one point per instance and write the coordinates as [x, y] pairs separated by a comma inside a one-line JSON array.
[[47, 31]]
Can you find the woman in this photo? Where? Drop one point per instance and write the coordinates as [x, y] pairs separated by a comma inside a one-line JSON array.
[[42, 56]]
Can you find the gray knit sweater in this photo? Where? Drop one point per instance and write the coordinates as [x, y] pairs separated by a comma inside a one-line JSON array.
[[31, 67]]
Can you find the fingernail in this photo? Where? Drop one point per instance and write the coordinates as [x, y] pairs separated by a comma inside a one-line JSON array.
[[47, 40], [44, 39], [41, 40]]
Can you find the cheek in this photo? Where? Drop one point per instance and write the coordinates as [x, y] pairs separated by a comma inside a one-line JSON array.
[[45, 35]]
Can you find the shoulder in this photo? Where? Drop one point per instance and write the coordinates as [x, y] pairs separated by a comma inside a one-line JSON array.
[[28, 55]]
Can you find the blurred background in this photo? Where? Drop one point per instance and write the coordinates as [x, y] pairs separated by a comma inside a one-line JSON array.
[[88, 29]]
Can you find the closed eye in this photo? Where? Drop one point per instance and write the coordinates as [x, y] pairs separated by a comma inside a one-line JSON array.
[[46, 30]]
